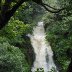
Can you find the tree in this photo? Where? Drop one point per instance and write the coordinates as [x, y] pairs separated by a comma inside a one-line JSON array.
[[11, 58], [7, 10]]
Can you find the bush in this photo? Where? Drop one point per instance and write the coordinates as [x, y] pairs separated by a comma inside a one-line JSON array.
[[12, 59]]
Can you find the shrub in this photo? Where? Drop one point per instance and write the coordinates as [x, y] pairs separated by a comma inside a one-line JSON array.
[[12, 59]]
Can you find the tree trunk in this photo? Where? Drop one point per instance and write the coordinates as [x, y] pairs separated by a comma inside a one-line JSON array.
[[6, 15], [4, 20]]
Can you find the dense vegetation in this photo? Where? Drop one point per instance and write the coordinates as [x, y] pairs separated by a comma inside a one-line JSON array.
[[17, 19]]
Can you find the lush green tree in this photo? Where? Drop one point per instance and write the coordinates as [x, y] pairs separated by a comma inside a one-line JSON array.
[[11, 58]]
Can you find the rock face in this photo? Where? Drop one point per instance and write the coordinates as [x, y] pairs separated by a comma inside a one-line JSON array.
[[42, 50]]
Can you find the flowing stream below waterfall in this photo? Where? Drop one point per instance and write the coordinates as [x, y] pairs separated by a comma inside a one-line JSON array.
[[42, 50]]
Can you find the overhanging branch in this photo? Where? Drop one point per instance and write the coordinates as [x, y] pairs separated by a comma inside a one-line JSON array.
[[47, 7], [50, 6]]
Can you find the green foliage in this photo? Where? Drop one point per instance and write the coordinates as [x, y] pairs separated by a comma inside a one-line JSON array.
[[14, 31], [28, 12], [14, 28], [11, 58], [59, 35]]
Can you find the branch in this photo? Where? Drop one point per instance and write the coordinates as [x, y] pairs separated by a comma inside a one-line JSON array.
[[47, 7], [50, 6], [52, 11]]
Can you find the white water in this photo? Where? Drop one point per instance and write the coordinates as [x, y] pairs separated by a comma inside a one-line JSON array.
[[42, 49]]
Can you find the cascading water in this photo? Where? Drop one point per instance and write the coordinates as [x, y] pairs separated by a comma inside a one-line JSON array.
[[42, 49]]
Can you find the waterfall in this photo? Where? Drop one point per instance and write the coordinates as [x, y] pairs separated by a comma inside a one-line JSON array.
[[42, 50]]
